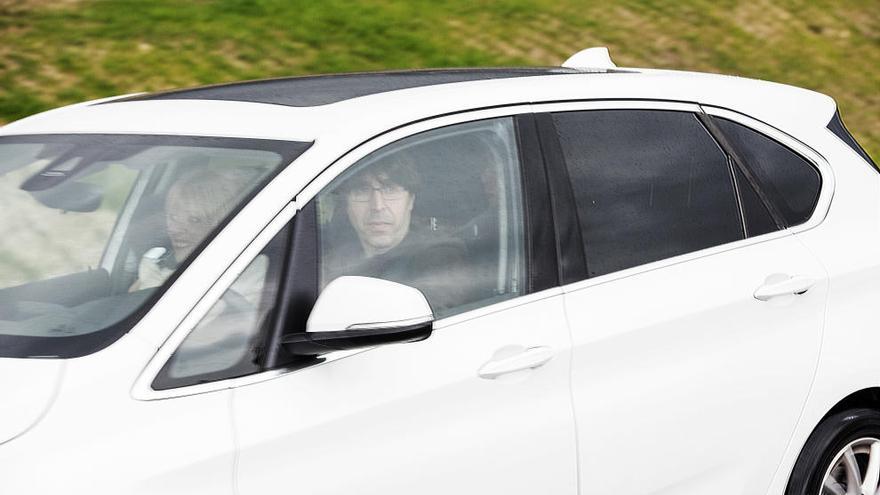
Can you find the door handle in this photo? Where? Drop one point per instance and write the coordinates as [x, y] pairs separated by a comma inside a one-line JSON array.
[[786, 287], [531, 358]]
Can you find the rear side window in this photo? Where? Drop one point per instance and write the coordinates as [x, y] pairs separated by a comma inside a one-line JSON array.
[[648, 185], [790, 181]]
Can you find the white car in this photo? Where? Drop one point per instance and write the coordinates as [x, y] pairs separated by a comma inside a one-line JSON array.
[[574, 280]]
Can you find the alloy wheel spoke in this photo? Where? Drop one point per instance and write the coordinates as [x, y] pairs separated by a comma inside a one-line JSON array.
[[853, 475], [872, 473], [832, 487]]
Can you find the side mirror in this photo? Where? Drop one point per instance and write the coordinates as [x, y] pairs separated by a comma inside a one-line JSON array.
[[358, 312]]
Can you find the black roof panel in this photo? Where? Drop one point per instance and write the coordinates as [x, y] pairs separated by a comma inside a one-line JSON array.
[[321, 90]]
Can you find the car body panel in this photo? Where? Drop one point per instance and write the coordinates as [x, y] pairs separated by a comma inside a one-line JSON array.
[[97, 439], [682, 364], [845, 244], [25, 402]]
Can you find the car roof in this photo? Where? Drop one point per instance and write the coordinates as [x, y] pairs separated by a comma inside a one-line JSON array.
[[317, 90], [371, 106]]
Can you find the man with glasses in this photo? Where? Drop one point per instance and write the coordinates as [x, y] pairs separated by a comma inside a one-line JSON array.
[[391, 244], [379, 204]]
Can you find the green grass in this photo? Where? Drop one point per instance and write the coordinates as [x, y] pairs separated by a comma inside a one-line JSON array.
[[53, 53]]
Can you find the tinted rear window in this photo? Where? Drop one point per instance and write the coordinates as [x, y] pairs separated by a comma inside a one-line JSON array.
[[648, 185], [791, 182]]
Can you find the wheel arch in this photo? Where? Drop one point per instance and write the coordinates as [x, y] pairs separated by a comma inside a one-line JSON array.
[[866, 398]]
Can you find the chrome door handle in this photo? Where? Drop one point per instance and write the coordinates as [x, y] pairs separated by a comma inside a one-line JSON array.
[[531, 358], [792, 285]]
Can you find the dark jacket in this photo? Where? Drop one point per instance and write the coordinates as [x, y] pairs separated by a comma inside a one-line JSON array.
[[428, 260]]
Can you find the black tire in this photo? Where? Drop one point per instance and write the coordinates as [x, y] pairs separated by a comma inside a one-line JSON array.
[[829, 438]]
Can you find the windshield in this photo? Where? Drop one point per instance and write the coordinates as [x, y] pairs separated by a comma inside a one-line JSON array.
[[93, 227]]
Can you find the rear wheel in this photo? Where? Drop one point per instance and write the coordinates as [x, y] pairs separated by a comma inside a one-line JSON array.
[[842, 457]]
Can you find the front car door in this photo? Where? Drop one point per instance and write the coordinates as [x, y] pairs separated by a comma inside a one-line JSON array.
[[450, 414], [456, 208], [696, 316]]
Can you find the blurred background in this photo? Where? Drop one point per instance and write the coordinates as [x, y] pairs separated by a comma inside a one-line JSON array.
[[54, 52]]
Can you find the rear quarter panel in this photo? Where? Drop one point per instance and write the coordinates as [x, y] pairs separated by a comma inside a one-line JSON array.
[[847, 242]]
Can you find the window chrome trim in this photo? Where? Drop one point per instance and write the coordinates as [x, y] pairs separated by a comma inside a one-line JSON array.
[[623, 104]]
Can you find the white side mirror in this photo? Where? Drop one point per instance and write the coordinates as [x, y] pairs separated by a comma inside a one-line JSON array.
[[356, 312], [348, 303]]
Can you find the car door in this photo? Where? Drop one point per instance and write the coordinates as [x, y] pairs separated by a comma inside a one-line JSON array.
[[696, 315], [483, 405]]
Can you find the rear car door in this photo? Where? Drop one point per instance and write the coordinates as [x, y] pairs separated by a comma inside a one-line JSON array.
[[696, 316]]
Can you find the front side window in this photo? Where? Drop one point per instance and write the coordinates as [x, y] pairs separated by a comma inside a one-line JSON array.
[[95, 225], [229, 340], [440, 211], [648, 185]]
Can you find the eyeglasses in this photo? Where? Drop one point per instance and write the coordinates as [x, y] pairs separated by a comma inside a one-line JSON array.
[[389, 192]]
